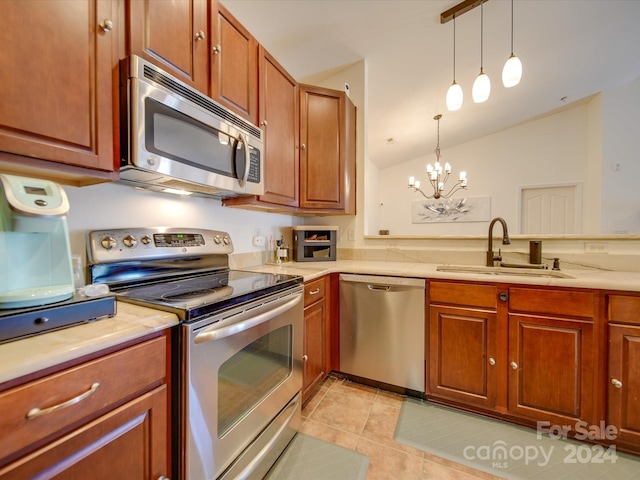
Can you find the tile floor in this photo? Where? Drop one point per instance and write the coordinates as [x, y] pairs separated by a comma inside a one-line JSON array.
[[364, 419]]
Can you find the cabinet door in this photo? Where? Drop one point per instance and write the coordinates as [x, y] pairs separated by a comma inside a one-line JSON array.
[[129, 442], [624, 384], [322, 148], [462, 352], [56, 68], [279, 119], [234, 64], [551, 369], [314, 348], [173, 36]]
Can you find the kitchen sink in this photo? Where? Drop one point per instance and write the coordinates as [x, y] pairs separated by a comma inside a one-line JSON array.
[[480, 269]]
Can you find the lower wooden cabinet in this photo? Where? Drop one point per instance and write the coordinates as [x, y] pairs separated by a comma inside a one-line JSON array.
[[106, 418], [316, 336], [623, 380], [463, 344], [527, 354]]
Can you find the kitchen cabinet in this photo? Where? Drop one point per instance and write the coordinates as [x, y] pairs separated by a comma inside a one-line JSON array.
[[279, 121], [463, 343], [174, 36], [316, 336], [551, 354], [233, 63], [623, 382], [57, 115], [75, 422], [524, 353], [327, 150]]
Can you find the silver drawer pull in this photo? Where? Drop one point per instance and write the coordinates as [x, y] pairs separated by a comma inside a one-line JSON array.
[[37, 412], [616, 383], [314, 292]]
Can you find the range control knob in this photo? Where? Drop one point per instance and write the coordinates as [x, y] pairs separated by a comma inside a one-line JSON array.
[[108, 243], [146, 240], [217, 239], [130, 241], [226, 240]]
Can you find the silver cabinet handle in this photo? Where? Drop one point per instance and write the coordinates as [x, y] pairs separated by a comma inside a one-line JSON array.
[[263, 123], [200, 35], [314, 292], [106, 25], [303, 147], [37, 412], [217, 49], [616, 383], [492, 361], [305, 358], [514, 365], [162, 477]]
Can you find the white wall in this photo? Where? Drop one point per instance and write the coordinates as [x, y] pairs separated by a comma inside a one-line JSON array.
[[113, 205], [621, 159]]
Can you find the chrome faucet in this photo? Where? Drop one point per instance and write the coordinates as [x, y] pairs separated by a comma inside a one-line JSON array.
[[505, 241]]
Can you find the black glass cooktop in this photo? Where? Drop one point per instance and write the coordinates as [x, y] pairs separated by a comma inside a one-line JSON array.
[[197, 296]]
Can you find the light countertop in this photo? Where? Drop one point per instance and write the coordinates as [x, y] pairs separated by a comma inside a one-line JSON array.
[[32, 354], [582, 278]]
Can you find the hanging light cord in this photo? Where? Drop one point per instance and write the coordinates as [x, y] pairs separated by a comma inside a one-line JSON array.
[[511, 27], [454, 47], [481, 35]]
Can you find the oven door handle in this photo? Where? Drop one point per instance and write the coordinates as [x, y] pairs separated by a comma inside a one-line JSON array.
[[215, 333]]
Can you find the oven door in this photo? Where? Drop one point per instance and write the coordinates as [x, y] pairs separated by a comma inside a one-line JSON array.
[[242, 369]]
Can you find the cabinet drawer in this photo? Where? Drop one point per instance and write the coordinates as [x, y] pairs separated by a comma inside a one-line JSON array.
[[623, 309], [464, 294], [313, 291], [552, 302], [118, 376]]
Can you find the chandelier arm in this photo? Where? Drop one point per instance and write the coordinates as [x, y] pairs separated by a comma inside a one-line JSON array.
[[454, 189], [420, 190]]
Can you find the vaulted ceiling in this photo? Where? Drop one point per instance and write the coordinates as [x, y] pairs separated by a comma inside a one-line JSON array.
[[570, 50]]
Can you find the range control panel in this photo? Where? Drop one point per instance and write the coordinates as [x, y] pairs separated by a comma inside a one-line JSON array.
[[119, 245]]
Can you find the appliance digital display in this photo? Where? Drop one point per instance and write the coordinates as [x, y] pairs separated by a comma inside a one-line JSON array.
[[34, 190], [178, 239]]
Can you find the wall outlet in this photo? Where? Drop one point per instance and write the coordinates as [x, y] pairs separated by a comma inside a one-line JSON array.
[[596, 247], [259, 241]]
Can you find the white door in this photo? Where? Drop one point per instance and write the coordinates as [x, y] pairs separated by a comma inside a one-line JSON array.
[[550, 210]]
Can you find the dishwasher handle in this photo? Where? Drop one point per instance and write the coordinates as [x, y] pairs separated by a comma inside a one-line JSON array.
[[379, 282]]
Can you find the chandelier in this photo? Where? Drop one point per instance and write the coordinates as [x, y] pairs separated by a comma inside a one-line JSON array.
[[438, 175]]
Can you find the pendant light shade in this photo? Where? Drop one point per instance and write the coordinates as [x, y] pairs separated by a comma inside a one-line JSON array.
[[454, 94], [454, 97], [512, 71], [482, 85], [481, 88]]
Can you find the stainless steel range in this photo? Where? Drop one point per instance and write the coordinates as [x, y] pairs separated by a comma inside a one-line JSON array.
[[239, 359]]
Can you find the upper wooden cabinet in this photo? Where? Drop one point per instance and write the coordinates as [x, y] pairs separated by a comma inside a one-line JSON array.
[[327, 150], [279, 120], [172, 35], [234, 64], [58, 65]]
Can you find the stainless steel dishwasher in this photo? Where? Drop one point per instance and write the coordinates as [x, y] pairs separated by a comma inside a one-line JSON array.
[[382, 330]]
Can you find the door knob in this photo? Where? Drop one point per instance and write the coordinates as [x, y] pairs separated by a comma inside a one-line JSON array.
[[616, 383], [514, 365], [492, 361]]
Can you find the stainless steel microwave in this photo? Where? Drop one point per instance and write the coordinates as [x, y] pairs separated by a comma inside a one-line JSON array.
[[173, 137]]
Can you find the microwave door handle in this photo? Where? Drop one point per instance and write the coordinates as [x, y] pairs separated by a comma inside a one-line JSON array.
[[247, 159], [210, 334]]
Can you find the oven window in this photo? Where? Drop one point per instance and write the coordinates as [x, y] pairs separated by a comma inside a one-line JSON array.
[[251, 374]]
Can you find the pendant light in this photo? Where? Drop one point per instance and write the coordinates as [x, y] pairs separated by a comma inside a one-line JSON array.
[[482, 85], [512, 71], [454, 94]]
